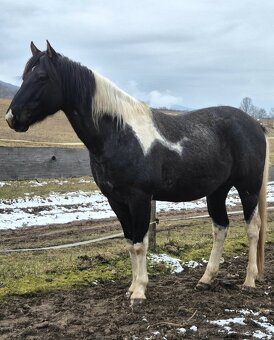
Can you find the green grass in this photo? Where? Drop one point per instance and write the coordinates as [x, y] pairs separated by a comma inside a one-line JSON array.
[[17, 189], [28, 273]]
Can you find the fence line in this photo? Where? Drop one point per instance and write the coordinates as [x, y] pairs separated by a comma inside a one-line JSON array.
[[40, 143], [43, 162], [21, 163], [120, 235]]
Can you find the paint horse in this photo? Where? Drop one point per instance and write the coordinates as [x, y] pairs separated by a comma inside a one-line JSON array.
[[138, 154]]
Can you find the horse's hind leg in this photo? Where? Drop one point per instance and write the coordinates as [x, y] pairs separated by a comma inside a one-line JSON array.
[[253, 224], [217, 211]]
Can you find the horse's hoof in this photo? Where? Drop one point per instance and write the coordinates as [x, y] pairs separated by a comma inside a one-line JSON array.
[[136, 302], [203, 286]]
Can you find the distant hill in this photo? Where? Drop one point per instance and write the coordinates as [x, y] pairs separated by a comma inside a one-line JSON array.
[[174, 108], [7, 90]]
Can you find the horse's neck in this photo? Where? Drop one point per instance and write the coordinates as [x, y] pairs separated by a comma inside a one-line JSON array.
[[92, 135], [83, 126]]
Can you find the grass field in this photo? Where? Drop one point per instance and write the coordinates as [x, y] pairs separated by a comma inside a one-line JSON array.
[[25, 273]]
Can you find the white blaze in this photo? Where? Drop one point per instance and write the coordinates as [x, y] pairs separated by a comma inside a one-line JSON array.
[[9, 116]]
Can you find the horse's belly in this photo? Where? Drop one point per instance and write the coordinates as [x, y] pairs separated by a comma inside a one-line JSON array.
[[187, 191], [176, 196]]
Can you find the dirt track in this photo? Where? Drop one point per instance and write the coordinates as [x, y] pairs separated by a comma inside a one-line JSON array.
[[174, 309]]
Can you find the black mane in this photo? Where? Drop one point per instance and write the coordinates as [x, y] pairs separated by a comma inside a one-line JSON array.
[[78, 82]]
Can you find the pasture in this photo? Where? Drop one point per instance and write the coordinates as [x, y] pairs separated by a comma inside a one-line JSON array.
[[80, 292]]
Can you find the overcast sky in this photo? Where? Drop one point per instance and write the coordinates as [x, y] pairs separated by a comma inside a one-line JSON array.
[[194, 53]]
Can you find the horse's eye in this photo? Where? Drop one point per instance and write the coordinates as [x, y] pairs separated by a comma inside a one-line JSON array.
[[42, 76]]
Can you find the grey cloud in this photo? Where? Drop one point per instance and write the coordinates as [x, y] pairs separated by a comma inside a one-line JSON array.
[[199, 53]]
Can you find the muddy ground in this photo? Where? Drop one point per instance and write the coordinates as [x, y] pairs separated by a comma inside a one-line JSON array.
[[174, 309]]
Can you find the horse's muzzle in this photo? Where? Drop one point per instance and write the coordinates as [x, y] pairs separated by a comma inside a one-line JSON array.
[[12, 122], [9, 118]]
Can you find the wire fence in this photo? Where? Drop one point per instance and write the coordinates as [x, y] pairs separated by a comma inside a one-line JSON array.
[[154, 221]]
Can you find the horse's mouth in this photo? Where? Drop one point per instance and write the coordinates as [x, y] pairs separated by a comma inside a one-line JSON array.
[[21, 129]]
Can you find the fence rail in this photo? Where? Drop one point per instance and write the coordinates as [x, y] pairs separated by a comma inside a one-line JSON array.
[[44, 162], [114, 236], [48, 162]]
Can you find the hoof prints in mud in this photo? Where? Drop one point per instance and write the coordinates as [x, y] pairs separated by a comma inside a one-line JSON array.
[[174, 309]]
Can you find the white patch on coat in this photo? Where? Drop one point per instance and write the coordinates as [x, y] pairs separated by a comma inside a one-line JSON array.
[[109, 99], [9, 116]]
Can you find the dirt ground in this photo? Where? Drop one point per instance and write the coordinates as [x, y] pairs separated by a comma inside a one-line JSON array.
[[174, 309]]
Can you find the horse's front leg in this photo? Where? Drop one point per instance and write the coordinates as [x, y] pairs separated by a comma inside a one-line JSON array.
[[134, 218], [138, 253], [139, 208], [134, 265]]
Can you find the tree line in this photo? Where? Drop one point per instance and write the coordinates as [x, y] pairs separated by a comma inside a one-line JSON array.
[[255, 111]]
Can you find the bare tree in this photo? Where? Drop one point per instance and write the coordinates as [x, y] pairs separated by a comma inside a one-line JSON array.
[[254, 111], [246, 105], [271, 113]]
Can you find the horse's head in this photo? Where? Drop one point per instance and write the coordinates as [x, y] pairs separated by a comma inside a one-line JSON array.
[[40, 94]]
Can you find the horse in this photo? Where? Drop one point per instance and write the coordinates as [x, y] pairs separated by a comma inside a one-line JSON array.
[[139, 154]]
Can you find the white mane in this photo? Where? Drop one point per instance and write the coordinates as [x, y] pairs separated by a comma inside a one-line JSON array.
[[109, 99]]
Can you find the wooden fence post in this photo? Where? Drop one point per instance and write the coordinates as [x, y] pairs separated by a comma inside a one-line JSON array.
[[152, 227]]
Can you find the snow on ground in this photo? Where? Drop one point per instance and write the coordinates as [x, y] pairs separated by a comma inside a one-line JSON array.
[[175, 265], [69, 207], [265, 328]]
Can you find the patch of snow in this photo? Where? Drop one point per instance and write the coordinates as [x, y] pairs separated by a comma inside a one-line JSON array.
[[193, 328], [2, 184], [181, 330], [156, 333], [60, 208], [266, 325], [248, 312], [192, 264], [175, 264], [261, 335], [228, 329], [226, 324]]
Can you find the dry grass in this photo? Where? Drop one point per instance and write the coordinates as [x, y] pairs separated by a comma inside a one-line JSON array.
[[55, 129]]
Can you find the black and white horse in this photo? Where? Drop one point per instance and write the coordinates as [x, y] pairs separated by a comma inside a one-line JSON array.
[[138, 154]]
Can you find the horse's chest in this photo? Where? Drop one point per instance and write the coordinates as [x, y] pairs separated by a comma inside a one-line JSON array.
[[111, 175]]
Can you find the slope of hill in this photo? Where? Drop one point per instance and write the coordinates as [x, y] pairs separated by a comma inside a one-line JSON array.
[[55, 129], [7, 90]]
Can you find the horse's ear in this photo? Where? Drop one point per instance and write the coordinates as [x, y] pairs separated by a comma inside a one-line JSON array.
[[50, 51], [34, 49]]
